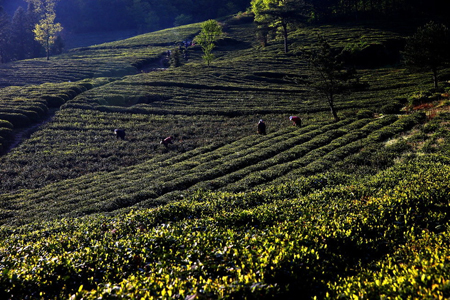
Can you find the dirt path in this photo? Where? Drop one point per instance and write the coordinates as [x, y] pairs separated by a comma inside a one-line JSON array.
[[21, 134]]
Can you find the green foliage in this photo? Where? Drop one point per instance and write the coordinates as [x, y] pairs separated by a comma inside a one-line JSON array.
[[274, 14], [17, 119], [391, 108], [5, 124], [329, 240], [364, 113], [175, 58], [236, 166], [356, 47], [208, 36], [328, 74], [46, 30], [425, 50], [325, 210]]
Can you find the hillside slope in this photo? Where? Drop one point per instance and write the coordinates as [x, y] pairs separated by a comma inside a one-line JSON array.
[[354, 209], [195, 104], [238, 166]]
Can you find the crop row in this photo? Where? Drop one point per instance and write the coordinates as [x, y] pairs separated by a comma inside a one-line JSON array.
[[19, 105], [171, 92], [247, 162], [22, 107], [148, 173], [77, 142], [315, 155], [277, 242], [235, 91], [106, 60], [339, 150], [244, 81]]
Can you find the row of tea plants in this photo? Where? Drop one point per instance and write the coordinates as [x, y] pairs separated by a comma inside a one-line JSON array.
[[367, 238], [236, 166]]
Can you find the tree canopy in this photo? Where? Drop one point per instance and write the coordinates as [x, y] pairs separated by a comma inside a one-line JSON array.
[[210, 33], [328, 75], [274, 14], [428, 49], [137, 16], [46, 30]]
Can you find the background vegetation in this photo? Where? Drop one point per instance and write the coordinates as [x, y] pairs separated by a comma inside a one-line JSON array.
[[87, 22], [355, 208]]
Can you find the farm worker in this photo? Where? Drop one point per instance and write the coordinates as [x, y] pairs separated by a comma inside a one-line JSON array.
[[166, 141], [120, 133], [261, 127], [296, 121]]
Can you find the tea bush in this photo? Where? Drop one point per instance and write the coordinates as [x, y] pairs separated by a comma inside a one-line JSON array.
[[391, 108], [364, 113], [273, 242], [16, 119], [239, 166]]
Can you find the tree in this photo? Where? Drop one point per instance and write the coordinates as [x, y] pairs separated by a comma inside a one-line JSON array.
[[210, 33], [46, 30], [144, 16], [328, 75], [4, 36], [182, 19], [19, 33], [276, 14], [428, 49], [23, 43]]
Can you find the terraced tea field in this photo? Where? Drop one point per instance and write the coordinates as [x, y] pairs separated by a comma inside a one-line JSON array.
[[109, 60], [354, 209], [237, 166]]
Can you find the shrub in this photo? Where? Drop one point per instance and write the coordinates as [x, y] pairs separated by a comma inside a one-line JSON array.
[[32, 115], [40, 108], [5, 132], [116, 100], [364, 113], [430, 127], [54, 100], [391, 108], [5, 124], [17, 119], [419, 98]]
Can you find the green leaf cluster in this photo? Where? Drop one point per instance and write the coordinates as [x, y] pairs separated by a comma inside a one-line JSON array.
[[272, 242], [211, 32]]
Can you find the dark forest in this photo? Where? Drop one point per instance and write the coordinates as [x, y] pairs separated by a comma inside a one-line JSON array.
[[139, 16]]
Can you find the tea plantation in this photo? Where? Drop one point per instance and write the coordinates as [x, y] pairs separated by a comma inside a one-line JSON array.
[[354, 209]]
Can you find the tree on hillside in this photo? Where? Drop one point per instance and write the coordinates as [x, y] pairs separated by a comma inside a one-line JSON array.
[[182, 19], [428, 49], [145, 15], [23, 44], [46, 31], [210, 33], [275, 14], [328, 75], [322, 10], [19, 33], [4, 36]]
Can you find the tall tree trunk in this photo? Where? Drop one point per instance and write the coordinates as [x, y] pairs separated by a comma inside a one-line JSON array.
[[334, 113], [435, 78], [285, 36], [47, 48], [333, 110]]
